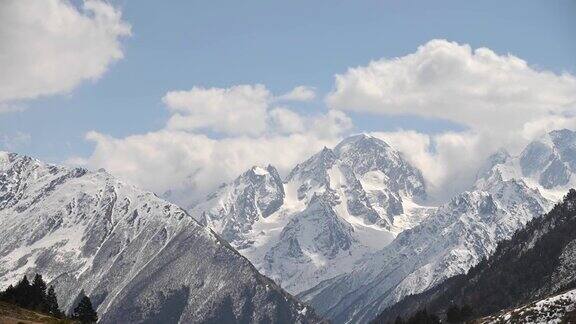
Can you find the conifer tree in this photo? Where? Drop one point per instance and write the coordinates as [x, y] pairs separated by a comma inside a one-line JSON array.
[[84, 312], [52, 303], [453, 314], [466, 312], [37, 298], [22, 293], [9, 295]]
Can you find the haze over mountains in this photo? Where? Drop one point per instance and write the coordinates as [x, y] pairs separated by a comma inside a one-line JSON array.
[[348, 230]]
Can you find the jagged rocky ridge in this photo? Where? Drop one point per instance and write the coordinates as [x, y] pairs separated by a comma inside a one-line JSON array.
[[537, 262], [139, 258], [352, 235], [330, 239], [547, 163], [453, 239], [329, 212]]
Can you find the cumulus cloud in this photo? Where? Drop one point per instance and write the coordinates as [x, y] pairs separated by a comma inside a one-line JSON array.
[[449, 161], [50, 46], [193, 165], [244, 110], [299, 93], [501, 101], [183, 159], [237, 110], [286, 121], [476, 88]]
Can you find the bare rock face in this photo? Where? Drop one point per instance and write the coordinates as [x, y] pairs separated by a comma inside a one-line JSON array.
[[139, 258]]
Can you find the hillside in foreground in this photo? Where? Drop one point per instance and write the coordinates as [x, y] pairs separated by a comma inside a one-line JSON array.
[[12, 314]]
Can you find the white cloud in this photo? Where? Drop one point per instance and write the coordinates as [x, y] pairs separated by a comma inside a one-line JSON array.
[[286, 121], [50, 46], [237, 110], [500, 99], [477, 88], [194, 163], [181, 158], [244, 110], [299, 93], [333, 124]]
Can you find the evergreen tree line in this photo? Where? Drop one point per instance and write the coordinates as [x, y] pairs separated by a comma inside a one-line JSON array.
[[455, 314], [37, 296], [420, 317]]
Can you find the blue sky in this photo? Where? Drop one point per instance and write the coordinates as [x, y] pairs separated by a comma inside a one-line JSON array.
[[165, 96], [281, 44]]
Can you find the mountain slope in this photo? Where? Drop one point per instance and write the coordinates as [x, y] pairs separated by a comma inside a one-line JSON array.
[[547, 163], [560, 308], [12, 314], [538, 261], [139, 258], [329, 212], [450, 241]]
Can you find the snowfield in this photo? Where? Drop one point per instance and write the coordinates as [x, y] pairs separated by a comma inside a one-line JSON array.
[[550, 310]]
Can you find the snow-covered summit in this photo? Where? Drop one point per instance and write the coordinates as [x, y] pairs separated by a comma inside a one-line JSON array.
[[551, 160], [547, 163], [450, 241], [235, 207], [137, 256], [330, 211]]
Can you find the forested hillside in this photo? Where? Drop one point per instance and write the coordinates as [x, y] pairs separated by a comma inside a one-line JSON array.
[[538, 261]]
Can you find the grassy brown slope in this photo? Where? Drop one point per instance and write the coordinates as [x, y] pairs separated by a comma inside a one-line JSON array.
[[12, 314]]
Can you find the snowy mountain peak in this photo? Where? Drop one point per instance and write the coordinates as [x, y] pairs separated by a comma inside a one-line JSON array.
[[330, 211], [133, 253], [360, 142], [315, 167], [235, 207], [551, 159], [448, 242]]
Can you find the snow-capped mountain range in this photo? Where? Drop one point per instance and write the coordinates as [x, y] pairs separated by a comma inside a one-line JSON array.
[[329, 212], [453, 239], [537, 262], [137, 256], [349, 229]]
